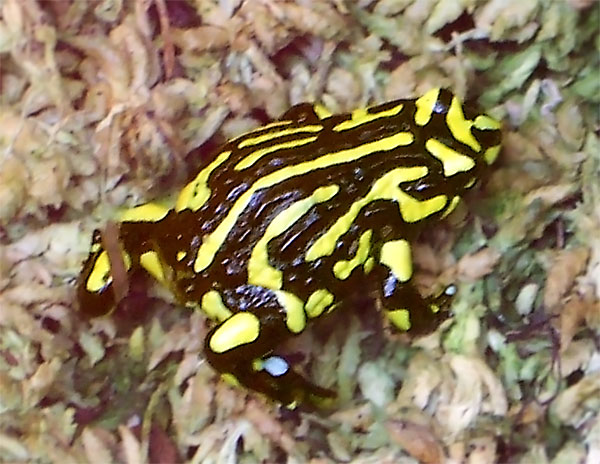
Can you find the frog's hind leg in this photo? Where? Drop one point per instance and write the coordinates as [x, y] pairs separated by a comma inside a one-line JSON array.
[[407, 310], [103, 281], [241, 349], [115, 255], [95, 292]]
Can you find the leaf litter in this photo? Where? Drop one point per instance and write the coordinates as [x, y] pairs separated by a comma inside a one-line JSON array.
[[107, 104]]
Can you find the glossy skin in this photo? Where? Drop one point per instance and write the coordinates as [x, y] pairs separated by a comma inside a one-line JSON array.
[[292, 219]]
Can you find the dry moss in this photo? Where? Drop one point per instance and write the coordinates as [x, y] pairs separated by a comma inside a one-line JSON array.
[[111, 103]]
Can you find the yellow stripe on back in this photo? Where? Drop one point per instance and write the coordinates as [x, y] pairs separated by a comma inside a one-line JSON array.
[[385, 188], [260, 272], [195, 194], [149, 212], [362, 116], [425, 106], [253, 157], [213, 241], [282, 133]]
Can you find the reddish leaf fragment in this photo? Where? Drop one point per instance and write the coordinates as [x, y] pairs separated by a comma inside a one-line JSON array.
[[417, 440]]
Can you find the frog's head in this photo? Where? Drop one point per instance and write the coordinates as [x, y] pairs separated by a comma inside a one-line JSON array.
[[485, 131], [464, 140]]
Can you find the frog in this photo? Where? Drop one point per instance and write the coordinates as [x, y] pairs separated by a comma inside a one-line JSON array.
[[291, 220]]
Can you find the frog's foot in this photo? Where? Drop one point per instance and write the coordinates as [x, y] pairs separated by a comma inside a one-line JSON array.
[[407, 310], [240, 349], [441, 302], [276, 378]]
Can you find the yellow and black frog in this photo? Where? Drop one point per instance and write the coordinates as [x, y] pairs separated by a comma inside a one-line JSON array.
[[290, 220]]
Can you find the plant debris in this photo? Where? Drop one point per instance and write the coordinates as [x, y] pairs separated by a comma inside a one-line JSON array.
[[105, 104]]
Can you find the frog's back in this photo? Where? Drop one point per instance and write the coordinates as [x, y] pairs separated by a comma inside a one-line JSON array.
[[297, 195]]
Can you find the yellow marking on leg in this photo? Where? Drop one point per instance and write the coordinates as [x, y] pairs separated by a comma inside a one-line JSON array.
[[317, 302], [362, 116], [385, 188], [276, 134], [369, 263], [459, 126], [400, 318], [453, 161], [260, 271], [471, 183], [181, 255], [240, 329], [214, 308], [258, 154], [491, 154], [213, 241], [195, 194], [396, 255], [151, 262], [150, 212], [295, 317], [257, 365], [342, 269], [100, 275], [230, 379], [451, 206], [321, 111], [425, 105]]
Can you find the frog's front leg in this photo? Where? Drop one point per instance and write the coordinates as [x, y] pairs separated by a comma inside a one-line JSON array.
[[404, 306], [241, 346]]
